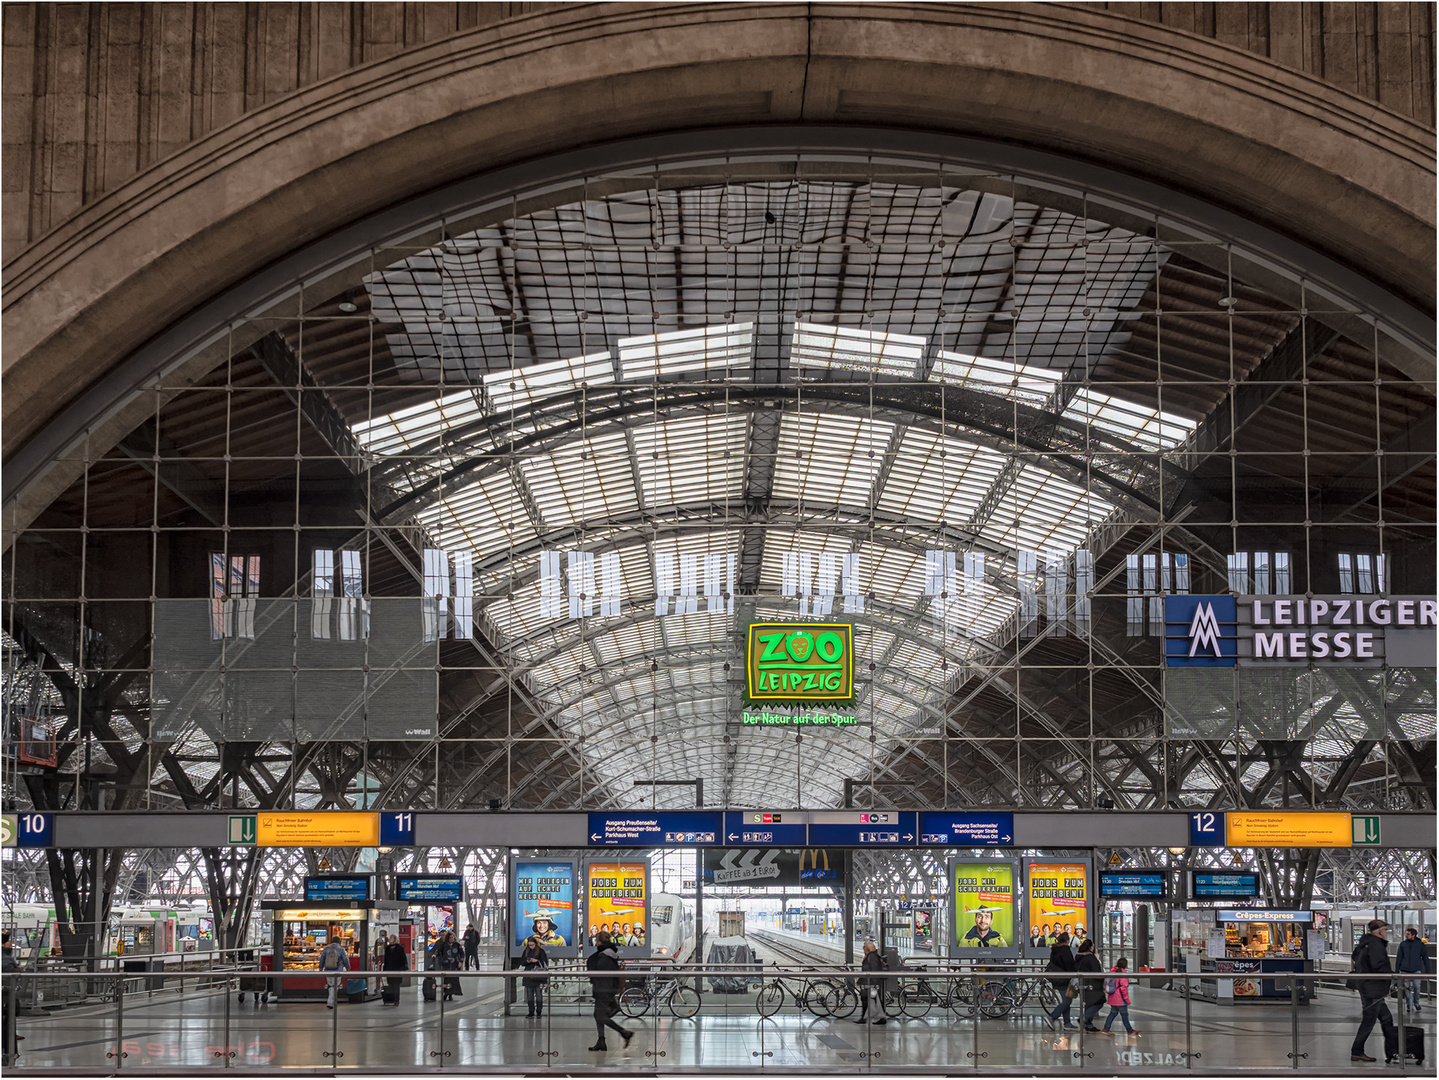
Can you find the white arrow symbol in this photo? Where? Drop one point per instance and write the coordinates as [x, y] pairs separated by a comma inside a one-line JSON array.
[[1005, 836], [727, 863], [908, 836], [594, 836], [734, 836]]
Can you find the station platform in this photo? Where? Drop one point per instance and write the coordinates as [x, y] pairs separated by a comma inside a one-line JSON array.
[[199, 1031]]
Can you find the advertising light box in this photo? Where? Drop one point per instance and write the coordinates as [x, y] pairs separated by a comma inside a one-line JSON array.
[[1057, 899], [983, 907], [617, 901], [542, 902], [800, 662]]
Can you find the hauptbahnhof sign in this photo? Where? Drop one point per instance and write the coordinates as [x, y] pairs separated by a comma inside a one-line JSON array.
[[1283, 631]]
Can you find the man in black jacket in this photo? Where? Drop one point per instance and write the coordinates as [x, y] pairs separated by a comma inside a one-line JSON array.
[[606, 989], [1371, 957]]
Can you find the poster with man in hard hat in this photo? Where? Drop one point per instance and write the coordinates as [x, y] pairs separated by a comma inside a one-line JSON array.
[[983, 905]]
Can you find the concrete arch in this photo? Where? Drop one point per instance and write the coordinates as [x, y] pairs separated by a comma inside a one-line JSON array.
[[1337, 175]]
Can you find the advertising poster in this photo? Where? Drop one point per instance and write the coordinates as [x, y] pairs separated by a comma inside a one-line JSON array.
[[542, 900], [616, 901], [923, 930], [1057, 892], [983, 905]]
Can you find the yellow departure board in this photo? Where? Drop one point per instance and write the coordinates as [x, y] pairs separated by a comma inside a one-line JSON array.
[[1280, 828], [320, 829]]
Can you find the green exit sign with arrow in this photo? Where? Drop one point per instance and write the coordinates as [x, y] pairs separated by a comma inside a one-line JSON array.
[[1366, 829], [242, 829]]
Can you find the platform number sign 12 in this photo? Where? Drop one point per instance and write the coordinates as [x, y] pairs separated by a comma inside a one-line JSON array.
[[1206, 829]]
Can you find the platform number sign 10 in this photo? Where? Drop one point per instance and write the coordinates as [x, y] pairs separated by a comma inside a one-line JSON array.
[[1206, 829], [28, 830]]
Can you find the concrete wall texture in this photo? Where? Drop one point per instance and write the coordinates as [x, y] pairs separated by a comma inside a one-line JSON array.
[[94, 93], [158, 154]]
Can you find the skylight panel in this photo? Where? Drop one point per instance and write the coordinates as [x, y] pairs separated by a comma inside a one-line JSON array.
[[519, 387], [1141, 425], [717, 350], [696, 460], [1042, 512], [1017, 382], [590, 482], [485, 517], [404, 430], [830, 460], [896, 574], [936, 479], [870, 351]]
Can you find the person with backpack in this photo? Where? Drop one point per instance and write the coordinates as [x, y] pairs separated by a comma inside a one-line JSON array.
[[871, 986], [1116, 990], [1061, 960], [334, 958], [1411, 959], [534, 959], [395, 960], [606, 988], [471, 940], [1371, 957], [1087, 960]]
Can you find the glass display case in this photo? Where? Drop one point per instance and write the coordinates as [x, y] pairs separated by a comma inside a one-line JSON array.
[[299, 933]]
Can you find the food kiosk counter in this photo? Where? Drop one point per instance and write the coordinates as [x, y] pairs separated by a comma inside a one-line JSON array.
[[301, 932], [1261, 946]]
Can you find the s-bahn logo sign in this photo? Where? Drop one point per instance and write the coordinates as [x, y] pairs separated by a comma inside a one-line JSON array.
[[1284, 631], [800, 662]]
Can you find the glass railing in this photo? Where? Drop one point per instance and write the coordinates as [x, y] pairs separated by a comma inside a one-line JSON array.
[[714, 1019]]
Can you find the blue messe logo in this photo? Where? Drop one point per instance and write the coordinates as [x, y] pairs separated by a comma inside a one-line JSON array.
[[1199, 631]]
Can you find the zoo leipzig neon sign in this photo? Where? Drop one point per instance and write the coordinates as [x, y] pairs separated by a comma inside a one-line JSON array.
[[800, 662]]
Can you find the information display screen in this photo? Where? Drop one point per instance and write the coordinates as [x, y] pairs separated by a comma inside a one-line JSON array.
[[1133, 884], [430, 890], [324, 890], [983, 906], [1227, 885], [543, 902], [1057, 892]]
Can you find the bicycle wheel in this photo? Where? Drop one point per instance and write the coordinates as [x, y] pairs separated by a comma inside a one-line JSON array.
[[1046, 993], [634, 1001], [684, 1002], [769, 999], [916, 1001], [961, 997], [995, 1000], [841, 1001], [813, 998]]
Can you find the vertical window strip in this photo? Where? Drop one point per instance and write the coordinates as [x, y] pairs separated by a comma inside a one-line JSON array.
[[1282, 580], [1134, 605], [1363, 574], [1346, 573], [552, 605], [322, 587], [464, 595], [1083, 586], [1239, 573], [688, 602], [826, 583], [664, 582], [1262, 583], [582, 584], [1026, 574], [853, 596], [437, 592], [1056, 582], [611, 583]]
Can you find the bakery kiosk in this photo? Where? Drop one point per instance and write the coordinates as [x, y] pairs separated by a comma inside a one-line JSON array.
[[336, 908]]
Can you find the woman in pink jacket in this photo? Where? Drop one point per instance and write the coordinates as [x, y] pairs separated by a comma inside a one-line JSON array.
[[1118, 998]]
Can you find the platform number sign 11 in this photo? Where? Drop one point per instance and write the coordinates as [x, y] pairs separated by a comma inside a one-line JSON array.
[[1206, 829], [397, 828]]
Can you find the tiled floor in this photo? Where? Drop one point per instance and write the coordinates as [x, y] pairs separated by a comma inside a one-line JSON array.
[[728, 1034]]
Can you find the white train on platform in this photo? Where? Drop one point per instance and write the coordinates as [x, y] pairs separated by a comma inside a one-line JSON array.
[[672, 928]]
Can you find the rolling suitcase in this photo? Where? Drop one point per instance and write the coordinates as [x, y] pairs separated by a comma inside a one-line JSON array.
[[1414, 1044], [390, 995], [355, 990], [427, 989]]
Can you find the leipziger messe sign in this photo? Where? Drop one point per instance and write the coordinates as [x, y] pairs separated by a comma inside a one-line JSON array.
[[1287, 631]]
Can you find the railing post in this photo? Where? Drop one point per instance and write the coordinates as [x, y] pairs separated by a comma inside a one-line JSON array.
[[1188, 1024], [1403, 1023], [119, 1021], [1294, 1020]]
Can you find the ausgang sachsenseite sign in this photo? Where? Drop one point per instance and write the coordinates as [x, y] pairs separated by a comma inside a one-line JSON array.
[[800, 662]]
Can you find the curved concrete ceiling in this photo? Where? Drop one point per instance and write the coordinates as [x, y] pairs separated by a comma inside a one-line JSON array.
[[1336, 174]]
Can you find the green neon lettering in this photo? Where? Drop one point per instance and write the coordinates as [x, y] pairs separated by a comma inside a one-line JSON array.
[[772, 644], [830, 646]]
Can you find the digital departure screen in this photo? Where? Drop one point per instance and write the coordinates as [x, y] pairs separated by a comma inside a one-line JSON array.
[[1134, 884], [1210, 885], [323, 890]]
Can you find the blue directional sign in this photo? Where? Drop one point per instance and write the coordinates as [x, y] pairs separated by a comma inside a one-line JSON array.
[[766, 828], [35, 830], [1206, 829], [863, 828], [397, 828], [662, 828], [940, 827]]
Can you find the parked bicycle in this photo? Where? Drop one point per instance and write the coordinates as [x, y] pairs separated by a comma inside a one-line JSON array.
[[682, 1000], [1000, 997], [808, 994]]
